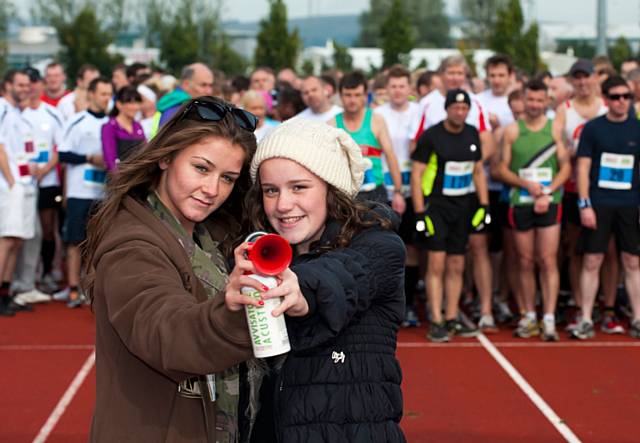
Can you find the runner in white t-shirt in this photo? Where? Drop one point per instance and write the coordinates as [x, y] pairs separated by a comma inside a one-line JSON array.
[[495, 102], [17, 186], [453, 71], [81, 150], [316, 95], [499, 70], [76, 101], [398, 113], [45, 127]]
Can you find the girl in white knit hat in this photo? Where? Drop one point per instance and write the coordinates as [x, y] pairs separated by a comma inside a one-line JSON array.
[[341, 380]]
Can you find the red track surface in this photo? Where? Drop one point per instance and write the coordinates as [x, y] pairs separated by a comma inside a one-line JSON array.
[[453, 392]]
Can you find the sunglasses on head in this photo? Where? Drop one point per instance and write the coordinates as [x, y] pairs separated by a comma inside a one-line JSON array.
[[616, 97], [214, 111]]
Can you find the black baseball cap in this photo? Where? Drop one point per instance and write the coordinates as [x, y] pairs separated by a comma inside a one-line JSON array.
[[457, 96], [582, 65]]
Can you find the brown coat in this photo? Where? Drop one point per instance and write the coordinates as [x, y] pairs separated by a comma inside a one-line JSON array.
[[154, 328]]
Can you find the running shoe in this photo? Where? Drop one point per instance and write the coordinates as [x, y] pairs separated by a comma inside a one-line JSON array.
[[33, 296], [410, 319], [15, 307], [456, 327], [549, 332], [75, 299], [438, 333], [577, 319], [5, 310], [487, 325], [611, 325], [503, 312], [62, 295], [634, 329], [527, 328], [584, 331]]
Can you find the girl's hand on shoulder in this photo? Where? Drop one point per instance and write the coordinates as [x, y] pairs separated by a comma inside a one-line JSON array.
[[239, 278], [293, 302]]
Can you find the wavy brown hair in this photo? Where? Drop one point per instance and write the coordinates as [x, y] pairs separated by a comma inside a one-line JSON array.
[[352, 215], [141, 172]]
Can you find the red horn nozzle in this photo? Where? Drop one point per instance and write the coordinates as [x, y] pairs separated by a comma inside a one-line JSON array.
[[271, 254]]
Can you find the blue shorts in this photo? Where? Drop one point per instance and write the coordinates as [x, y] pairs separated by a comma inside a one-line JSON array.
[[79, 210]]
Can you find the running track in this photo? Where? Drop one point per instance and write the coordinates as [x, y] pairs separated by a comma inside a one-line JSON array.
[[460, 391]]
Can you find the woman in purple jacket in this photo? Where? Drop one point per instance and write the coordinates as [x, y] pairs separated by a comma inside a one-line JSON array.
[[122, 133]]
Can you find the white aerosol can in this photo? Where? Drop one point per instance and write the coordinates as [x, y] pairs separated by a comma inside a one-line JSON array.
[[270, 254]]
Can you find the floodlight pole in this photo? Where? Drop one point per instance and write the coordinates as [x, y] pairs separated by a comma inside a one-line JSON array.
[[601, 25]]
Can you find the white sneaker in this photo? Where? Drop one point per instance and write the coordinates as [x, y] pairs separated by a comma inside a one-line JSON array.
[[32, 296], [62, 295], [549, 332]]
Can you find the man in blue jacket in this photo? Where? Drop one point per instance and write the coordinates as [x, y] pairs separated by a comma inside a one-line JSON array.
[[196, 80]]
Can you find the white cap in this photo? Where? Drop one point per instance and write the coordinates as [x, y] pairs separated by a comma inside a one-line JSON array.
[[328, 152], [147, 93]]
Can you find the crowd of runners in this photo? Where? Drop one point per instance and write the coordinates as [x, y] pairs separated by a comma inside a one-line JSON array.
[[519, 194]]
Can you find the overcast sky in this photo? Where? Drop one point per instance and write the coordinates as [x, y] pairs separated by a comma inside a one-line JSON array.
[[569, 11]]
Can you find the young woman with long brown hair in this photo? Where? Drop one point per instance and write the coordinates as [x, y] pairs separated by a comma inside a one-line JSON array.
[[167, 347], [341, 380]]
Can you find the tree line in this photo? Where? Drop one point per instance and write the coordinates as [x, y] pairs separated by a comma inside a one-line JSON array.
[[188, 30]]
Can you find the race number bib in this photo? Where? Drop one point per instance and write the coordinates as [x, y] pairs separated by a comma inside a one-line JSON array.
[[405, 174], [24, 171], [42, 153], [458, 178], [369, 182], [616, 171], [538, 175], [94, 177]]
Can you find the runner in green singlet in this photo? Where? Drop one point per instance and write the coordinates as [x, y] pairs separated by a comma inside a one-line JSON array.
[[535, 164], [370, 131]]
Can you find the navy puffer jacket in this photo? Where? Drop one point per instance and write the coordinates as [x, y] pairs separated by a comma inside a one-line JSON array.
[[341, 381]]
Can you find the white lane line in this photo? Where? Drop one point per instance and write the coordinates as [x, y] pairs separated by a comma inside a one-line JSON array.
[[46, 347], [524, 344], [519, 380], [66, 398]]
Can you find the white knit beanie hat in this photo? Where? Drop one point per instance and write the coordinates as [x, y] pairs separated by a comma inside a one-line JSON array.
[[328, 152]]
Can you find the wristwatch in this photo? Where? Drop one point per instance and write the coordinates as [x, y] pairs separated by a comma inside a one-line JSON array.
[[546, 190], [584, 203]]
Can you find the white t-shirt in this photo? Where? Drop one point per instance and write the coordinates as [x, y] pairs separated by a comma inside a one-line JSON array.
[[46, 126], [16, 135], [433, 112], [67, 106], [147, 126], [497, 105], [308, 114], [398, 123], [83, 136]]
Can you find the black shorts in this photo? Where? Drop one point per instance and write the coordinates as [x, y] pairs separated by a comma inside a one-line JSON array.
[[407, 229], [451, 219], [570, 211], [522, 218], [79, 210], [50, 198], [622, 221], [495, 228]]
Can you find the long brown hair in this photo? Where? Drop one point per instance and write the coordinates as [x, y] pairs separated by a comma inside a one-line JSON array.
[[352, 215], [141, 173]]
